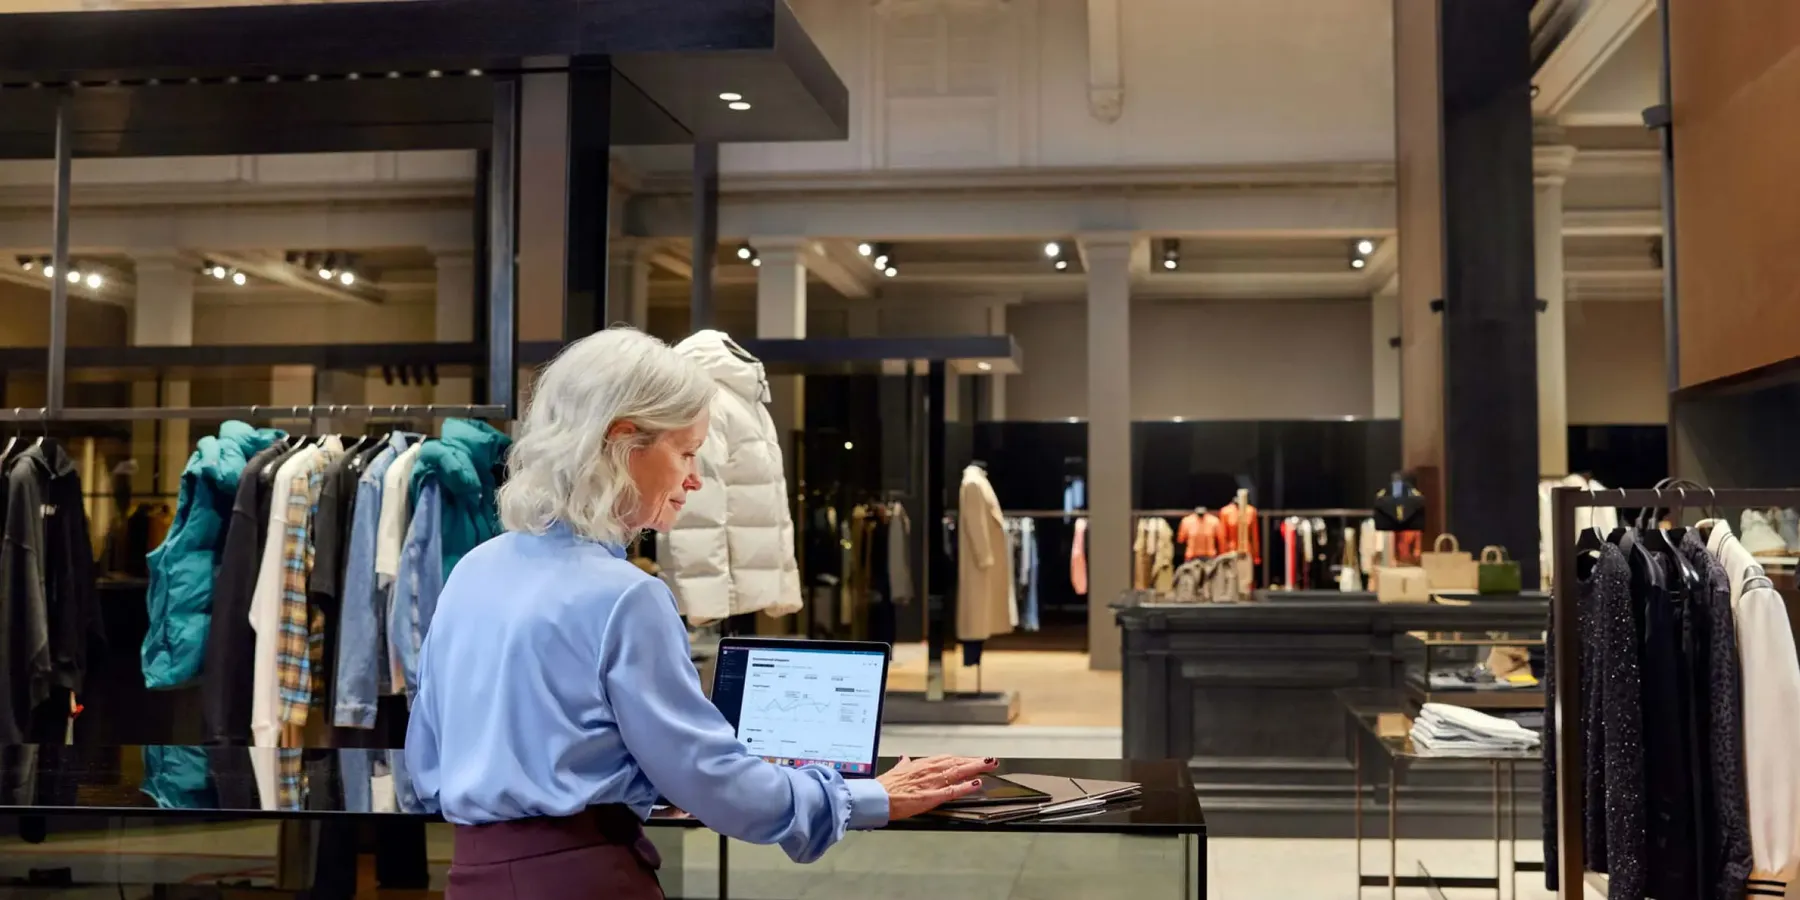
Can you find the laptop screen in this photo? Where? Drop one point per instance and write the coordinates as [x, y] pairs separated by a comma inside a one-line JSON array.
[[797, 705]]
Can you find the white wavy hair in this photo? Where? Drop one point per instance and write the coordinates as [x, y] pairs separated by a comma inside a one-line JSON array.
[[563, 468]]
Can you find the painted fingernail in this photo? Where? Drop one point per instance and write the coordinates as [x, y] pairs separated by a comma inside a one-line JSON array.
[[990, 760], [975, 783]]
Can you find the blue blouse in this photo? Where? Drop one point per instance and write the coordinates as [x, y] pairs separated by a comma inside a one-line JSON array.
[[555, 676]]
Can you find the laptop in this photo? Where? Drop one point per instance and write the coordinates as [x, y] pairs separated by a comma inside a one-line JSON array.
[[801, 702]]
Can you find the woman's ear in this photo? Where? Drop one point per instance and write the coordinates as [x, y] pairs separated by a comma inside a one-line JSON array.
[[620, 429]]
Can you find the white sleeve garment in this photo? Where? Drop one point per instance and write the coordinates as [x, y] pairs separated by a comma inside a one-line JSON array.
[[1771, 687], [390, 526], [900, 585], [699, 562], [265, 610]]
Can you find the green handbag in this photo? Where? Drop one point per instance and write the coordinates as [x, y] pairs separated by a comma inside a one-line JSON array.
[[1497, 574]]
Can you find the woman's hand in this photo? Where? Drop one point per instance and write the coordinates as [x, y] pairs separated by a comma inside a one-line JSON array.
[[918, 785]]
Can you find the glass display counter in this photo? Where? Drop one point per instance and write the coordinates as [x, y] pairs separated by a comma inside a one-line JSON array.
[[190, 822]]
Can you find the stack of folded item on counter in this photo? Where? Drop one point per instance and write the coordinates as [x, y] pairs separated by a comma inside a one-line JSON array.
[[1445, 730], [1066, 797]]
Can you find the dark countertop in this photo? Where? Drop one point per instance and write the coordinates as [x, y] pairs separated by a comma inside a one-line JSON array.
[[106, 781], [1332, 610]]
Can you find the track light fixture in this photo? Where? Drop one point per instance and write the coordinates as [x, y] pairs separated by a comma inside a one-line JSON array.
[[865, 248], [881, 256], [27, 263], [748, 254], [1360, 249], [1059, 259], [1171, 254], [1364, 247], [1053, 249]]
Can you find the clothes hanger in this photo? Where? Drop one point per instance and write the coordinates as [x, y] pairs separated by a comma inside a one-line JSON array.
[[1591, 540]]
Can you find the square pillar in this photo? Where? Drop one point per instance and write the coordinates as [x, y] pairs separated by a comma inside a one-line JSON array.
[[1552, 167], [454, 322], [781, 313], [1384, 350], [628, 289], [996, 384], [162, 315], [1468, 287], [1109, 477]]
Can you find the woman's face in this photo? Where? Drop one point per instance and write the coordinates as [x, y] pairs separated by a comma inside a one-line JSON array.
[[664, 472]]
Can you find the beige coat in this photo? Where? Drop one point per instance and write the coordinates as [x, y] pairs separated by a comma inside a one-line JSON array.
[[984, 565]]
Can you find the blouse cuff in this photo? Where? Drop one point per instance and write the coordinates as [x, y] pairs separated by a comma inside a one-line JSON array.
[[1766, 884], [868, 803]]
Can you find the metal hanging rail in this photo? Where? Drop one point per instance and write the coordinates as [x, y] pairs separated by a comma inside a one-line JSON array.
[[1571, 875], [305, 411]]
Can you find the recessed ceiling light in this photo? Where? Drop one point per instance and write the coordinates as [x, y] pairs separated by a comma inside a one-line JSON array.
[[1169, 264], [744, 251], [738, 105], [1074, 419], [865, 248], [731, 96], [1053, 249], [1357, 263], [757, 262], [1365, 246], [347, 278], [94, 280], [1180, 419], [985, 366], [1061, 264], [890, 271], [849, 445], [239, 279]]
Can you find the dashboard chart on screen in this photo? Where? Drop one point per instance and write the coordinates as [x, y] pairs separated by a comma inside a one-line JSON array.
[[795, 706]]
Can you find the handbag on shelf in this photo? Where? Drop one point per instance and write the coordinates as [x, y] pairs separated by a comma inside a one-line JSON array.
[[1450, 570], [1499, 572], [1402, 584]]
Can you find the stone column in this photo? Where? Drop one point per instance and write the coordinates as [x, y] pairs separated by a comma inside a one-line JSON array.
[[162, 316], [629, 273], [996, 384], [454, 322], [1109, 477], [1552, 166], [1384, 333], [781, 313]]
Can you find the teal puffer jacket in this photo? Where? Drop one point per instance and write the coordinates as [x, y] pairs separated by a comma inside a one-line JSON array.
[[467, 463], [181, 570]]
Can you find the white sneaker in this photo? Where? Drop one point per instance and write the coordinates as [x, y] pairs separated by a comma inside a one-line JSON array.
[[1758, 534]]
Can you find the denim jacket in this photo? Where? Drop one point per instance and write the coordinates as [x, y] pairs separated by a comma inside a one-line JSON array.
[[417, 584], [360, 649]]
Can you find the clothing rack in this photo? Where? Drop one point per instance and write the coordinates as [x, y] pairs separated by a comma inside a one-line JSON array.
[[304, 411], [1571, 875]]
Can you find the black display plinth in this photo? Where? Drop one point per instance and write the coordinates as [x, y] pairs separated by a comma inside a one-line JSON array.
[[1245, 693]]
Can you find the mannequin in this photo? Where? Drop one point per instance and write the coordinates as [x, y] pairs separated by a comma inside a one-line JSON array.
[[1200, 535], [1242, 534]]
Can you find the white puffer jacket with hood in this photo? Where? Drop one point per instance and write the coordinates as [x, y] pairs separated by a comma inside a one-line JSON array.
[[732, 547]]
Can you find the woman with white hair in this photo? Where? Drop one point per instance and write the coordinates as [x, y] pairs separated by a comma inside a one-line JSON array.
[[556, 698]]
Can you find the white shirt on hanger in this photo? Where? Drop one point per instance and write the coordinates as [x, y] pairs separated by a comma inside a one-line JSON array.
[[390, 526]]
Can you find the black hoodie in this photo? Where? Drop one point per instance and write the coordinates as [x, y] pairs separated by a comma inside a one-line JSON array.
[[48, 603]]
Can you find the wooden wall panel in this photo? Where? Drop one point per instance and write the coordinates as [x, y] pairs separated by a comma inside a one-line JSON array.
[[1735, 73]]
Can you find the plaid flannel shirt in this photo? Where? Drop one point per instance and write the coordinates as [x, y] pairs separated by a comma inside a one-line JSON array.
[[300, 645]]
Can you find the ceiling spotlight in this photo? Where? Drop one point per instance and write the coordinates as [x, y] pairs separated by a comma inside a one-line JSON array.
[[346, 278], [881, 261], [475, 73], [1365, 246], [739, 106], [74, 276], [731, 96], [756, 261], [1358, 263], [1062, 264], [890, 271], [1053, 249], [49, 271], [326, 273], [864, 248], [94, 280], [744, 251], [849, 445], [1170, 264], [218, 271], [1171, 254], [239, 279], [985, 366], [27, 263]]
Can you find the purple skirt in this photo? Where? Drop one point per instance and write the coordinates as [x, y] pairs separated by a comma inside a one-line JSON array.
[[601, 853]]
